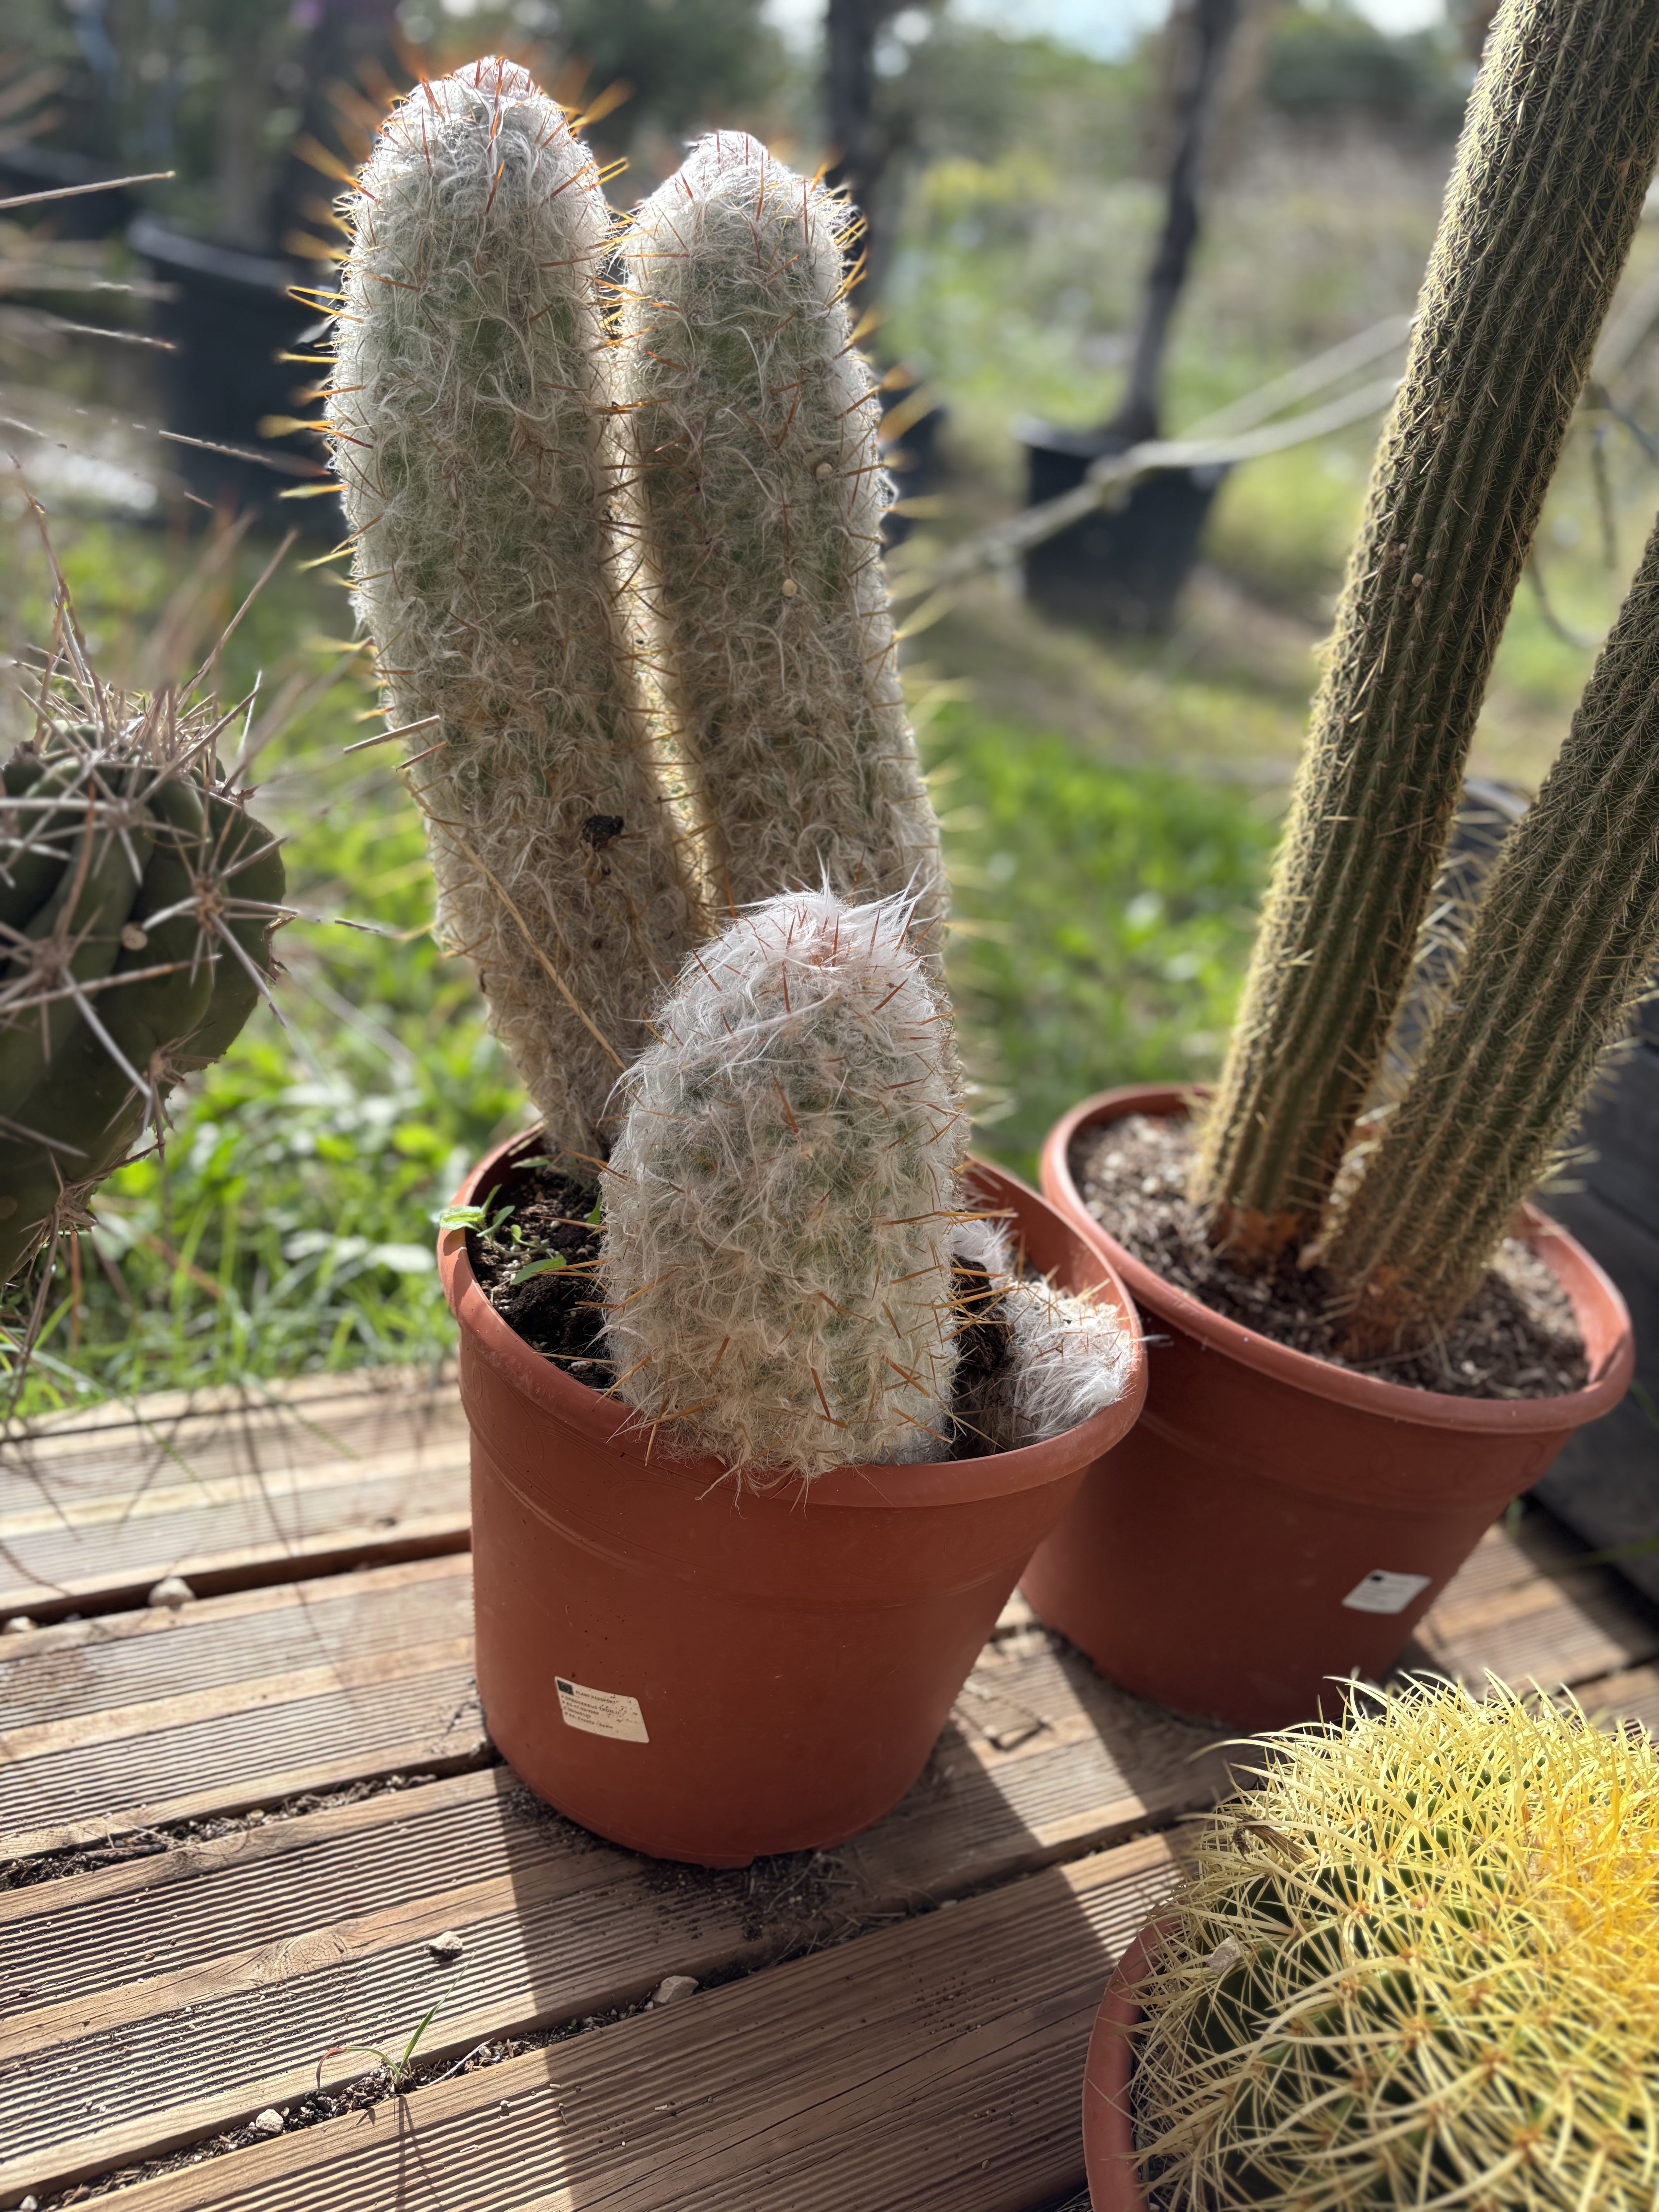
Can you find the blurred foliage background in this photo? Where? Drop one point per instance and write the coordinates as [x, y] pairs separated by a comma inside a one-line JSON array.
[[1109, 803]]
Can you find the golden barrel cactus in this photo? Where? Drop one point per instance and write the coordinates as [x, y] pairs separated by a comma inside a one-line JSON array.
[[1418, 1966]]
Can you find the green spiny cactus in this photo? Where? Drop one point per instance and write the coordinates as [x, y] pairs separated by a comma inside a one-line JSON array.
[[779, 1213], [138, 897], [1555, 162], [473, 432], [1418, 1966], [758, 495], [1565, 940]]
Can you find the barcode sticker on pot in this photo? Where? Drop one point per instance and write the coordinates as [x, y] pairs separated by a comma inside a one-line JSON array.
[[1382, 1592], [601, 1712]]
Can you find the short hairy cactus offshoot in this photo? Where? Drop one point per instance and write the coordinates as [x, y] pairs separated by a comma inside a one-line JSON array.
[[137, 898], [1035, 1361], [779, 1208], [1419, 1966]]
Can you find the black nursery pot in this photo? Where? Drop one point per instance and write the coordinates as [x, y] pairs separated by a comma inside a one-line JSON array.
[[1122, 568], [229, 318]]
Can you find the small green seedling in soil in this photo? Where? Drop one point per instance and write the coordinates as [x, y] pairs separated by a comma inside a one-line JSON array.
[[397, 2070]]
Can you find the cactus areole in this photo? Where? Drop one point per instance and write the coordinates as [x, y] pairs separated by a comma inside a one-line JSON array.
[[1420, 1965]]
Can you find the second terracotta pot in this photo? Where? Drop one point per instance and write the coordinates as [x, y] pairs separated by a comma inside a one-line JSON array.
[[709, 1677], [1275, 1520]]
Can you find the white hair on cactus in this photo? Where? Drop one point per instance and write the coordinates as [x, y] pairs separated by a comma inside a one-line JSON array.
[[757, 492], [472, 432], [1062, 1358], [780, 1201]]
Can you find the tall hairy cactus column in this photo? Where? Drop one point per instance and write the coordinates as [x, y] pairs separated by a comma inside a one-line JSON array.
[[1566, 941], [473, 432], [779, 1211], [1555, 161], [758, 496]]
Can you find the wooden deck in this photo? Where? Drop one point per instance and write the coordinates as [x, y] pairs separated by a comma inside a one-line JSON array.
[[233, 1829]]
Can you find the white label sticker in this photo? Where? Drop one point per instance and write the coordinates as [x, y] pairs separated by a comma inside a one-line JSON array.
[[1382, 1592], [601, 1712]]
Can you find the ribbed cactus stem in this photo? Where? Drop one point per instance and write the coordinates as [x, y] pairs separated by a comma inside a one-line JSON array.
[[473, 433], [1554, 164], [757, 493], [1566, 941], [779, 1207]]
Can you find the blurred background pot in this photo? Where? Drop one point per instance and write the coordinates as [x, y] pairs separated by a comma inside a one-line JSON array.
[[709, 1677], [1122, 568], [1274, 1520], [230, 319]]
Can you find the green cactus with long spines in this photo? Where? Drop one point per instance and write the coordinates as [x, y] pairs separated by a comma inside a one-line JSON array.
[[138, 897], [593, 623], [1556, 156], [1418, 1967]]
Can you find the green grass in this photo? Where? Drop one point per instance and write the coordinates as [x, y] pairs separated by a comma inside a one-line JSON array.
[[1104, 916]]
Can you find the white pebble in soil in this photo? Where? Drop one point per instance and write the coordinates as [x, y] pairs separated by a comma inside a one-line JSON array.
[[19, 1625], [172, 1591], [268, 2123], [671, 1988]]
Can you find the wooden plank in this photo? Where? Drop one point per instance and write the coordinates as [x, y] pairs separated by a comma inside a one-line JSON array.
[[119, 1722], [196, 1988], [1521, 1610], [331, 1472], [936, 2064]]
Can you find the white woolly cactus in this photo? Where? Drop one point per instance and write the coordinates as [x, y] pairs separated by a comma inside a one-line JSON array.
[[1061, 1357], [472, 435], [757, 493], [778, 1264], [778, 1217]]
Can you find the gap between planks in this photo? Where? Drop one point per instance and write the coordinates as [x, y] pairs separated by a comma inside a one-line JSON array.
[[932, 2067], [94, 1510]]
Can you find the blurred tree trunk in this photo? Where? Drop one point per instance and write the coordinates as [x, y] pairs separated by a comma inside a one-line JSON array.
[[862, 146], [1200, 33]]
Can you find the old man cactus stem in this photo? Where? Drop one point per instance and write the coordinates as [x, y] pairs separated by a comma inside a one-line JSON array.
[[1566, 941], [1556, 159], [473, 433], [758, 496]]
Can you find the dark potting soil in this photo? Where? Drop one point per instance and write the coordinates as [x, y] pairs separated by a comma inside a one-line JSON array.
[[1518, 1339], [555, 1310]]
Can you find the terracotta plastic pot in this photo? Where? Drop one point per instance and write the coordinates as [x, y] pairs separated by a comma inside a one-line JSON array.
[[1274, 1521], [706, 1677], [1109, 2143]]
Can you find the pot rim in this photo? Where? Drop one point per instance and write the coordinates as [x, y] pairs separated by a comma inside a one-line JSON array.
[[600, 1421], [1108, 2122], [1436, 1409]]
